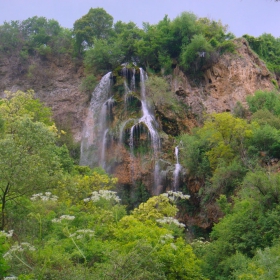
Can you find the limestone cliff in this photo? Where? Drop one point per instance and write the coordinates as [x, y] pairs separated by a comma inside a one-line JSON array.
[[230, 79], [56, 82]]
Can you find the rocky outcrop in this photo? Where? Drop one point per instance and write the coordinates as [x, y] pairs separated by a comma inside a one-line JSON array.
[[56, 82], [230, 79]]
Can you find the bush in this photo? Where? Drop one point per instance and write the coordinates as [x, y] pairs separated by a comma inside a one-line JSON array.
[[196, 53]]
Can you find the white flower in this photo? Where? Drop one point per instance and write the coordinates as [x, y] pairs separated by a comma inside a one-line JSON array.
[[63, 217], [7, 234], [108, 195], [170, 220], [173, 196], [24, 246], [167, 236], [48, 196], [81, 233]]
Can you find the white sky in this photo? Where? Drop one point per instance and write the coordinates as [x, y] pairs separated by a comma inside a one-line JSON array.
[[253, 17]]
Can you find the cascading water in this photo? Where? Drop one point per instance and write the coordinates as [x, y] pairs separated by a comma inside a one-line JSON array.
[[177, 169], [103, 150], [99, 134], [95, 124], [103, 128], [149, 121]]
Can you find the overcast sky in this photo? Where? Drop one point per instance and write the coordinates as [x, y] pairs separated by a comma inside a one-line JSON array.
[[253, 17]]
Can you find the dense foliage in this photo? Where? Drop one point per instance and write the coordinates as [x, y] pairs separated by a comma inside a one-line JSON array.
[[268, 48], [236, 161], [63, 221]]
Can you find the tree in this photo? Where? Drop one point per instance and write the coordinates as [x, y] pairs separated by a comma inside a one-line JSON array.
[[103, 57], [264, 100], [227, 136], [96, 24], [196, 53], [28, 161], [183, 28]]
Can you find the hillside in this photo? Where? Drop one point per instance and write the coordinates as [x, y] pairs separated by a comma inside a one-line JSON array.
[[180, 118]]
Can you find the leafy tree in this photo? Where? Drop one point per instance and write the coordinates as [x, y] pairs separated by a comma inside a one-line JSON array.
[[268, 48], [183, 28], [196, 53], [251, 224], [266, 139], [155, 46], [227, 136], [194, 157], [212, 29], [263, 100], [39, 30], [263, 117], [96, 24], [264, 265], [103, 57], [28, 160]]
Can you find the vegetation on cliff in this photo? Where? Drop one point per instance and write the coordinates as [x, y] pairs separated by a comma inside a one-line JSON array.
[[268, 48], [236, 162], [64, 221]]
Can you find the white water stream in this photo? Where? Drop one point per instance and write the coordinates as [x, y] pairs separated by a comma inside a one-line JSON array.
[[96, 136], [94, 125], [177, 169], [149, 121]]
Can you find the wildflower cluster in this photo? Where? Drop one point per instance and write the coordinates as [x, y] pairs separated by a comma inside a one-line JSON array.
[[81, 233], [105, 194], [7, 234], [10, 278], [17, 248], [63, 217], [47, 196], [170, 220], [174, 196], [166, 237], [200, 242]]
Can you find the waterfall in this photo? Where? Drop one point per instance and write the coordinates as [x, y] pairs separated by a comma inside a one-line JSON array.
[[103, 150], [105, 113], [149, 121], [98, 133], [95, 123], [177, 169]]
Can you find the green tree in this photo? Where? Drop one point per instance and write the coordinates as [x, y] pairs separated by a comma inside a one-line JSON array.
[[28, 161], [251, 224], [263, 100], [196, 53], [96, 24], [263, 117], [103, 57], [268, 48], [183, 28]]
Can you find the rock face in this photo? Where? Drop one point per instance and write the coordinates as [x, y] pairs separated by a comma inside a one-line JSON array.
[[230, 79], [55, 82]]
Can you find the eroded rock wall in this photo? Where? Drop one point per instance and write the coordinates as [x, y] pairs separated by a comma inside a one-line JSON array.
[[56, 82], [230, 79]]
